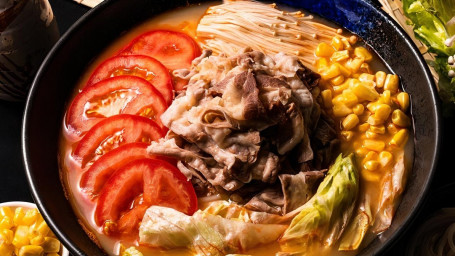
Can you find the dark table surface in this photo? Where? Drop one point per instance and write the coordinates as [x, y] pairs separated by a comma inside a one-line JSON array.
[[14, 187]]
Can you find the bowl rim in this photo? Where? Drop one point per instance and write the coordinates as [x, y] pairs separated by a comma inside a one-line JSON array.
[[105, 4], [29, 205]]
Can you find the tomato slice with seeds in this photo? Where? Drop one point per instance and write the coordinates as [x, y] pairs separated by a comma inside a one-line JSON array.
[[159, 182], [112, 96], [114, 131], [136, 65], [175, 50], [93, 180]]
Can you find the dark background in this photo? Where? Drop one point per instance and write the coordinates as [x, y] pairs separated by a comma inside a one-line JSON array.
[[14, 187]]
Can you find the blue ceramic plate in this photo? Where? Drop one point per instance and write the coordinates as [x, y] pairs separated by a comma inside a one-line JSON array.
[[97, 29]]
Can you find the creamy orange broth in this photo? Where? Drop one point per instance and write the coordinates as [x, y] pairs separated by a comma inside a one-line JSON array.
[[184, 19]]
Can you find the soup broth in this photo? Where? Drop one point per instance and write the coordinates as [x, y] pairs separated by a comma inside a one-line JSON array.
[[186, 20]]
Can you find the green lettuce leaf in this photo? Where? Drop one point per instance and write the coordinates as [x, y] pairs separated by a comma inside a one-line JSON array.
[[325, 216], [203, 233], [446, 85], [430, 19]]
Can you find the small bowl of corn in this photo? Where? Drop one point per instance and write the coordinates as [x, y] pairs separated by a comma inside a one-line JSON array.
[[23, 232]]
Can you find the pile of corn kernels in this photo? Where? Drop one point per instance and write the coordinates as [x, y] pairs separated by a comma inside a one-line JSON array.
[[369, 106], [23, 232]]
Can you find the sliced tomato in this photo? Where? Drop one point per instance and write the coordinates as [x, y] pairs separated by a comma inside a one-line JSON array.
[[160, 183], [93, 180], [136, 65], [175, 50], [129, 222], [167, 186], [121, 189], [114, 131], [112, 96]]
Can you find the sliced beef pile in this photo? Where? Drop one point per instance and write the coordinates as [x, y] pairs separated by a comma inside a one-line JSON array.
[[247, 127]]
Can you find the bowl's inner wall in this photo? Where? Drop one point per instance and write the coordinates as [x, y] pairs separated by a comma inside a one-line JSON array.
[[66, 63]]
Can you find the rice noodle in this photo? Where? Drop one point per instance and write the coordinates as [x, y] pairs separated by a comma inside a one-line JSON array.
[[235, 25]]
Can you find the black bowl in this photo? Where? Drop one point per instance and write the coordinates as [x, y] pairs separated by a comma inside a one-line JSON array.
[[65, 64]]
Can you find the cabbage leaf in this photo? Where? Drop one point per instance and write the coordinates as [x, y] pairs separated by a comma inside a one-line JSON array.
[[432, 22], [203, 233], [325, 216]]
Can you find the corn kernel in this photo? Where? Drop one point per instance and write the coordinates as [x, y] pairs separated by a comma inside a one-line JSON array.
[[386, 97], [364, 127], [6, 212], [375, 145], [327, 98], [391, 83], [324, 50], [37, 240], [6, 222], [371, 156], [51, 245], [380, 78], [339, 99], [371, 135], [349, 98], [365, 68], [346, 44], [19, 214], [43, 228], [401, 119], [361, 152], [337, 43], [366, 77], [354, 64], [31, 250], [343, 70], [379, 129], [403, 101], [340, 56], [382, 112], [30, 217], [340, 88], [372, 120], [364, 91], [337, 80], [322, 64], [385, 158], [400, 138], [341, 110], [350, 121], [363, 52], [392, 129], [358, 109], [347, 135], [21, 236], [371, 165], [6, 249], [372, 106], [332, 72], [6, 236]]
